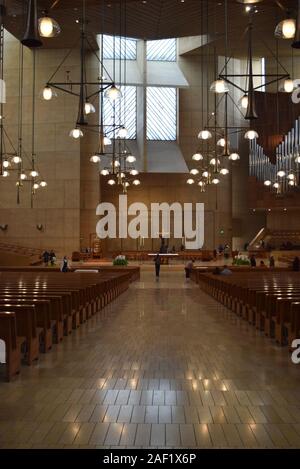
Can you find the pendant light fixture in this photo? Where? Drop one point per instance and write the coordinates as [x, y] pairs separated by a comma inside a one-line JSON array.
[[48, 27], [31, 37]]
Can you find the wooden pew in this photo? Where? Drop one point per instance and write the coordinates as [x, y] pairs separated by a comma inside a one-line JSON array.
[[13, 343]]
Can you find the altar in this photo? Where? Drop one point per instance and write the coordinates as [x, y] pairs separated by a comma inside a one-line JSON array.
[[165, 258]]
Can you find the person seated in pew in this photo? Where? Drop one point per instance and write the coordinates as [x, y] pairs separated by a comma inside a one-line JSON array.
[[262, 265], [45, 257], [271, 262], [252, 261], [296, 264], [226, 270], [217, 271]]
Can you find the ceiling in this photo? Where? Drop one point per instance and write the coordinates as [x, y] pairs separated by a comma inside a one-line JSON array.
[[156, 19]]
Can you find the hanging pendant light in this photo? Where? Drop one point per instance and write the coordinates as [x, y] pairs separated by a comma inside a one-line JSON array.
[[76, 133], [134, 172], [197, 157], [48, 93], [219, 86], [267, 183], [234, 157], [31, 37], [95, 159], [251, 135], [136, 182], [123, 132], [243, 102], [194, 172], [104, 172], [281, 173], [89, 108], [204, 135], [288, 85], [34, 173], [23, 176], [224, 171], [48, 27], [286, 29], [130, 159], [113, 93], [16, 159], [43, 184], [190, 181]]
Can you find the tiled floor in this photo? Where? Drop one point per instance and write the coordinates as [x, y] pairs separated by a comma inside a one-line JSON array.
[[163, 366]]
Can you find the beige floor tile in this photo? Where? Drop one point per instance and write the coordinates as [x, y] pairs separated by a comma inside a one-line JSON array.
[[158, 435], [172, 435]]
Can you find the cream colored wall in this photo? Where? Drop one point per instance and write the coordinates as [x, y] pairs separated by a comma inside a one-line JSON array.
[[57, 207]]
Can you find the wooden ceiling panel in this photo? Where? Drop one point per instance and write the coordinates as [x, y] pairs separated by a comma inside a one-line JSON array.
[[154, 19]]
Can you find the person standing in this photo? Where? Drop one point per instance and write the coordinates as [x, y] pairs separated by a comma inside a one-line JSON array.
[[188, 268], [46, 258], [64, 264], [157, 262], [272, 262], [52, 257]]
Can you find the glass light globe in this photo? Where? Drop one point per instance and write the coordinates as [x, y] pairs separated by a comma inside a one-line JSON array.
[[6, 164], [205, 174], [219, 86], [43, 184], [116, 164], [122, 175], [291, 176], [104, 172], [134, 172], [48, 27], [122, 133], [190, 181], [34, 173], [17, 159], [214, 161], [267, 182], [224, 171], [89, 108], [95, 159], [251, 135], [201, 183], [215, 180], [286, 29], [197, 157], [136, 182], [194, 172], [5, 174], [276, 185], [204, 135], [234, 157], [243, 102], [281, 173], [127, 184], [221, 142], [48, 93], [130, 159], [288, 85], [76, 133], [297, 159], [113, 93], [36, 185], [291, 182], [106, 141], [111, 182], [23, 176]]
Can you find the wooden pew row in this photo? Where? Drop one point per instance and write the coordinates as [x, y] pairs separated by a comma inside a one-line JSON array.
[[270, 301], [36, 309]]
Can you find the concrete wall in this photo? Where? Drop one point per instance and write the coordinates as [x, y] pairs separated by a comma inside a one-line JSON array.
[[56, 207]]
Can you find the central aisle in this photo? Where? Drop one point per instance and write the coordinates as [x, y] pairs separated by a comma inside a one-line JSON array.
[[162, 366]]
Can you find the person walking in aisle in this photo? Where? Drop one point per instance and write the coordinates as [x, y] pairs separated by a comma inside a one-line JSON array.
[[157, 265]]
